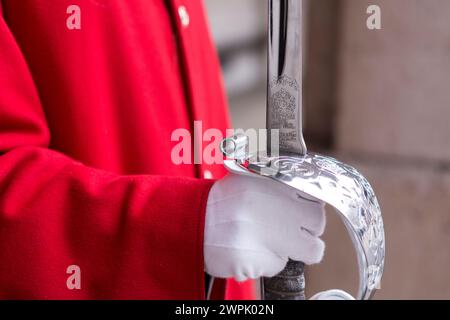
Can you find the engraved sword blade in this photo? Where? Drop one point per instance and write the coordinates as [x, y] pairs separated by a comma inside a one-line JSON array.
[[284, 80]]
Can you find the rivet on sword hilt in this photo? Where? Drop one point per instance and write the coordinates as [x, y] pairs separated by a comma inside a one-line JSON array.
[[236, 147]]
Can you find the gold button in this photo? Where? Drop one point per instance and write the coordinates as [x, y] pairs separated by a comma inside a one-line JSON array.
[[184, 16], [207, 174]]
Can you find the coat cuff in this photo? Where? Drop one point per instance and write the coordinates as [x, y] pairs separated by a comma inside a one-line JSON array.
[[178, 259]]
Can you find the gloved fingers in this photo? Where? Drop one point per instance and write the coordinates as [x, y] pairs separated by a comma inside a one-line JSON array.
[[284, 235], [310, 216], [277, 189], [279, 263], [254, 225], [250, 205], [242, 264], [234, 185], [250, 236], [300, 245], [286, 207], [263, 264], [265, 201], [269, 210]]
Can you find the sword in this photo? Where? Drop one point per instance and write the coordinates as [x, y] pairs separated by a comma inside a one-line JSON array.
[[314, 176]]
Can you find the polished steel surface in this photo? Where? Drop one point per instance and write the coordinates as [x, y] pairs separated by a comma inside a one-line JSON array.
[[284, 78], [340, 186]]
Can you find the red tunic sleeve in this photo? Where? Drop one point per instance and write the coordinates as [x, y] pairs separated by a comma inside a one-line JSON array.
[[131, 236]]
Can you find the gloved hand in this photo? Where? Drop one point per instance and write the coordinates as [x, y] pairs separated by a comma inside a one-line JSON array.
[[253, 225]]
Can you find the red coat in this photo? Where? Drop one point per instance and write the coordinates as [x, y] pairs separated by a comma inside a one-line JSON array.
[[86, 177]]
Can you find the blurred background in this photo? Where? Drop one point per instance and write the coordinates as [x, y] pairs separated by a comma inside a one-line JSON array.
[[376, 99]]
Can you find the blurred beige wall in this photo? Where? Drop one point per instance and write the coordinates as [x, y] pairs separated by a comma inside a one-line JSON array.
[[392, 122], [380, 100]]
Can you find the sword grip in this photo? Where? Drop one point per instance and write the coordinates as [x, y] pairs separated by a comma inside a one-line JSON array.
[[289, 284]]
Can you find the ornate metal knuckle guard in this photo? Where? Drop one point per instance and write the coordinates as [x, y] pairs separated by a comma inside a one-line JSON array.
[[332, 182]]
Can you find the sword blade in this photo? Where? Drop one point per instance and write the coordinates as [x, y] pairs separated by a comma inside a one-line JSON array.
[[284, 80]]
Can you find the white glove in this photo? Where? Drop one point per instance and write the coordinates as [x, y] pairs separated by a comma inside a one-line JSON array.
[[253, 225]]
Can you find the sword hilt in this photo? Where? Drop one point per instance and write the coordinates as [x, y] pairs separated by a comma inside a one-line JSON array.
[[289, 284]]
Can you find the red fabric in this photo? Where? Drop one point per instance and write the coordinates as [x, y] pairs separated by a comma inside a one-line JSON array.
[[86, 177]]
